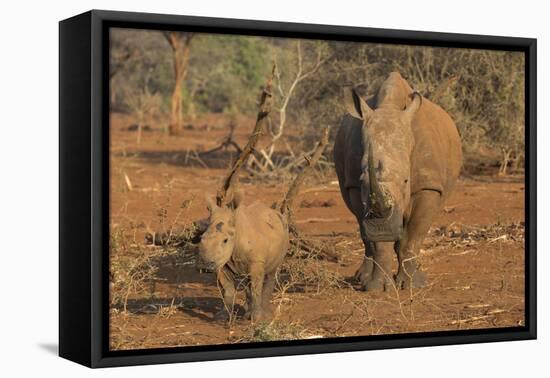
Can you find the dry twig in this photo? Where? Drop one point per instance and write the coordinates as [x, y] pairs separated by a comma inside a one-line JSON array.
[[261, 119]]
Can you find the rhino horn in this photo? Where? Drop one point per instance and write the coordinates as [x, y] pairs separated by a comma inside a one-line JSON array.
[[380, 202]]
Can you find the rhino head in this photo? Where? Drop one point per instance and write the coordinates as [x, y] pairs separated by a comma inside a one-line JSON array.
[[388, 143], [218, 241]]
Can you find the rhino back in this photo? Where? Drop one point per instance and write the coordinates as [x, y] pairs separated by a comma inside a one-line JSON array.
[[261, 236], [437, 155]]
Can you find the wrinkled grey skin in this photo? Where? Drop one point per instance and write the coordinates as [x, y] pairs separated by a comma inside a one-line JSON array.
[[397, 161], [246, 244]]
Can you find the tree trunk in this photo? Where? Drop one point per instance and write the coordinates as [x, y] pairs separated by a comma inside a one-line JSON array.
[[181, 45], [139, 128], [506, 153]]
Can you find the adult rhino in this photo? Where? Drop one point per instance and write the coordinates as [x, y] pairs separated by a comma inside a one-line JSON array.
[[397, 161]]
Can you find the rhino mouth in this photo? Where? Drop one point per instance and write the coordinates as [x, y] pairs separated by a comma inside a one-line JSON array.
[[203, 265], [388, 228]]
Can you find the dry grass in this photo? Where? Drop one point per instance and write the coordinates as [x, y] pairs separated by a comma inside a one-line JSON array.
[[132, 269], [274, 331], [461, 236], [306, 271], [308, 278]]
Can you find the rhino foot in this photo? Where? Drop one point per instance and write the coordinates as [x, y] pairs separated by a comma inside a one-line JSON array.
[[406, 281], [376, 283], [371, 277], [364, 273]]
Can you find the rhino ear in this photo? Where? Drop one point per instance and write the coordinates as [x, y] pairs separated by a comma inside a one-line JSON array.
[[355, 105], [238, 197], [210, 204], [411, 110]]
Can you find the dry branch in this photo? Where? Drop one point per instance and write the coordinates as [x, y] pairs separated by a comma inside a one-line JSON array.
[[193, 232], [306, 247], [286, 204], [309, 248], [261, 119], [227, 142], [318, 220], [301, 75], [178, 237]]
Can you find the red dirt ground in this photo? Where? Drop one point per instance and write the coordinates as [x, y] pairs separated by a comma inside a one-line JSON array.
[[474, 255]]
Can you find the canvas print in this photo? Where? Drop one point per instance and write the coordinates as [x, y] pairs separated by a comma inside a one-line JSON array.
[[266, 189]]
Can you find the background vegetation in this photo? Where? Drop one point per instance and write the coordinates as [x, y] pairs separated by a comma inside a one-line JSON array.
[[482, 90]]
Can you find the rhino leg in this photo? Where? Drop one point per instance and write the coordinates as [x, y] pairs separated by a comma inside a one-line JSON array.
[[425, 206], [382, 267], [364, 273], [375, 272], [352, 198], [267, 292], [257, 278], [269, 286], [227, 286]]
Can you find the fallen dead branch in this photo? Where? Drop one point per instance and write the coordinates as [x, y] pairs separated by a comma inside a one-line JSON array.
[[178, 237], [466, 236], [309, 248], [317, 220], [501, 237], [194, 155], [303, 247], [465, 252], [227, 142], [471, 319], [128, 182]]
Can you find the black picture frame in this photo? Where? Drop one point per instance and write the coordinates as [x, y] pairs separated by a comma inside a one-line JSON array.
[[84, 189]]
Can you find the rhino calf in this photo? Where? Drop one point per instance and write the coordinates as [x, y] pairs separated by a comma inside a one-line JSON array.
[[245, 244]]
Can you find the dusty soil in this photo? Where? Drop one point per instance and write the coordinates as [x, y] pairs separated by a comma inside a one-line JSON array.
[[474, 255]]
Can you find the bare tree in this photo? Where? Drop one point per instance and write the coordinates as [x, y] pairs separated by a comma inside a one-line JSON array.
[[144, 105], [180, 42], [285, 97]]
